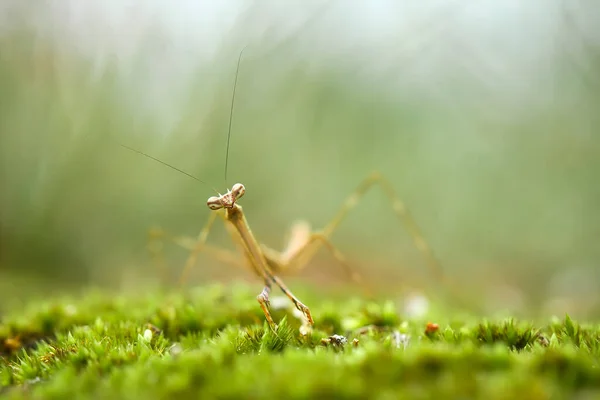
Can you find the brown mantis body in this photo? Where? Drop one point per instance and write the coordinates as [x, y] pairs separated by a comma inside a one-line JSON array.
[[303, 245]]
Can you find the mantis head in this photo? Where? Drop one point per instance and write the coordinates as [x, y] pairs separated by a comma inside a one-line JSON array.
[[228, 199]]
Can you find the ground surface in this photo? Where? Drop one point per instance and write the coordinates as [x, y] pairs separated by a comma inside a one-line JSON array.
[[212, 342]]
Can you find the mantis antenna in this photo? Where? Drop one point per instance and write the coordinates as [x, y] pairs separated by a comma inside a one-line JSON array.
[[163, 163], [167, 165], [228, 136], [231, 112]]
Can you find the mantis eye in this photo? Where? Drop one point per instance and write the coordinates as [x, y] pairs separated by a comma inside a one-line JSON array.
[[214, 203], [238, 190]]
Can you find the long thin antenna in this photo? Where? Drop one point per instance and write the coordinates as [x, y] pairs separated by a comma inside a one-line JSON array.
[[163, 163], [231, 112]]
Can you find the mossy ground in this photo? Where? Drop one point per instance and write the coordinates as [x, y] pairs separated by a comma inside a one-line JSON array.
[[212, 343]]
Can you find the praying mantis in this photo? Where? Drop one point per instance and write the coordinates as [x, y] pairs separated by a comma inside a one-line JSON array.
[[268, 263]]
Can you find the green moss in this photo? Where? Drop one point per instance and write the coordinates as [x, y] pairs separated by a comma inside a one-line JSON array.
[[213, 342]]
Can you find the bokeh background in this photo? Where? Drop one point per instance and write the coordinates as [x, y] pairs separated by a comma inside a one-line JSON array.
[[483, 114]]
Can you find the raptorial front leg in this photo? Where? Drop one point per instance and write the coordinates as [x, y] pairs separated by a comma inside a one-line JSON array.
[[297, 303], [265, 304]]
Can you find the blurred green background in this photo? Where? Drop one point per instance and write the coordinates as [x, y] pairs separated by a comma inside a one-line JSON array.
[[485, 118]]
